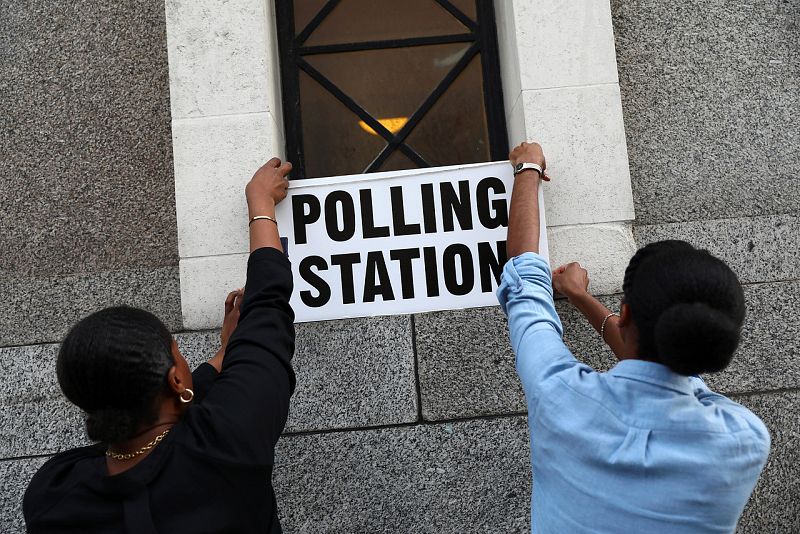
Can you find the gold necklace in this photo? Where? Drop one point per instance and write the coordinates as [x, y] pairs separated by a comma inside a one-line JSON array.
[[131, 455]]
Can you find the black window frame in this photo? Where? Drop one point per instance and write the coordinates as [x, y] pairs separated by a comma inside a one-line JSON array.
[[481, 33]]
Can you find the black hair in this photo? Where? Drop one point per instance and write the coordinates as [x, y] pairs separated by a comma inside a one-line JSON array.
[[113, 364], [687, 305]]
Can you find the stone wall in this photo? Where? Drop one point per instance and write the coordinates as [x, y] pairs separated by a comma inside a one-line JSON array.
[[407, 423]]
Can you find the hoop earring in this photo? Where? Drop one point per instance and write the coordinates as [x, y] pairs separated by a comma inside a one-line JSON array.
[[191, 396]]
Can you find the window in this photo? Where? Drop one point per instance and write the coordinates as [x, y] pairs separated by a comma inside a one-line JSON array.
[[379, 85]]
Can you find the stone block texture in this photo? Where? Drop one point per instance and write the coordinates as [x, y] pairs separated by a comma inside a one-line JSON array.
[[775, 504], [710, 92], [354, 373], [470, 476], [87, 205]]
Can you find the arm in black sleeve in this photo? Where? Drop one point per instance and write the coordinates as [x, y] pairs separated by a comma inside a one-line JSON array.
[[202, 379], [243, 414]]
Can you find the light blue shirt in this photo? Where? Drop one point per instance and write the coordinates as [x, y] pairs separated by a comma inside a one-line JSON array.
[[639, 449]]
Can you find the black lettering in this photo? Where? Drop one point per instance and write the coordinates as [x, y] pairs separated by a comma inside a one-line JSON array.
[[467, 269], [301, 218], [455, 204], [498, 205], [428, 208], [404, 256], [332, 216], [315, 281], [431, 271], [345, 263], [490, 265], [383, 287], [398, 214], [368, 217]]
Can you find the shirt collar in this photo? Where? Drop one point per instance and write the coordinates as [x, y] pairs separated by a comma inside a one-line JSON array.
[[653, 373]]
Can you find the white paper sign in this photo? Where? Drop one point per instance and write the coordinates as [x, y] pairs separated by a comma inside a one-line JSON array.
[[398, 242]]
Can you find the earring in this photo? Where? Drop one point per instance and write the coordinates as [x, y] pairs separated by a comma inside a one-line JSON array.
[[191, 396]]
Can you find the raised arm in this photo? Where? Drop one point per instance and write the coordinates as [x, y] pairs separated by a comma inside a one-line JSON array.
[[525, 292], [572, 281], [245, 411], [523, 221]]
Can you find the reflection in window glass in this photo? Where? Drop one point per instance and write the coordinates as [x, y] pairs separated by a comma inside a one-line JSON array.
[[427, 73]]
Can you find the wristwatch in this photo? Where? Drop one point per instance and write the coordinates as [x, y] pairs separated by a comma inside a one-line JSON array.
[[524, 166]]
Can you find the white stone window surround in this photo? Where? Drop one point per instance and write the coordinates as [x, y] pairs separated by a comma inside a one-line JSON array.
[[560, 86]]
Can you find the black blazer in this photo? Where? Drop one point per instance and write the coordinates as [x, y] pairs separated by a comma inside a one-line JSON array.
[[213, 471]]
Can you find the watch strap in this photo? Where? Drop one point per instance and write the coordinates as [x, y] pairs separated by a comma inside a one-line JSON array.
[[520, 167]]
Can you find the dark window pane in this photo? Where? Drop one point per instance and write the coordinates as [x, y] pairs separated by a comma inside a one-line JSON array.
[[355, 21], [454, 130], [334, 141], [389, 83], [304, 11], [397, 162]]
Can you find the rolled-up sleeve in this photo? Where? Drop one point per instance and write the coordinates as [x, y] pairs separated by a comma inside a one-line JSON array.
[[526, 296]]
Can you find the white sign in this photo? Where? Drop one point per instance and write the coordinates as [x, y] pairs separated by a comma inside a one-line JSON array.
[[398, 242]]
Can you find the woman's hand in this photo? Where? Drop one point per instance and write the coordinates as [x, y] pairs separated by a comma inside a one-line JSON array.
[[529, 153], [571, 280], [268, 186], [265, 190], [232, 305]]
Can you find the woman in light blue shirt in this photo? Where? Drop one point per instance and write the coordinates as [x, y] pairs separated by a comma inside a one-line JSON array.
[[645, 447]]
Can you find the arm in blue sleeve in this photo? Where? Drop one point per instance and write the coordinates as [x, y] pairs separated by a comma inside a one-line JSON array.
[[526, 296]]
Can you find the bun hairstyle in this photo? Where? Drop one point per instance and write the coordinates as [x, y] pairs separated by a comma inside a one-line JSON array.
[[687, 305], [113, 364]]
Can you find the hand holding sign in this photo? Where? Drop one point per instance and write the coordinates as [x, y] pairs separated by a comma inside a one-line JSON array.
[[264, 191], [529, 153]]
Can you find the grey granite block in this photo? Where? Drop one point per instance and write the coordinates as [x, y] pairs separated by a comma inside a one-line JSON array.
[[775, 503], [85, 141], [14, 478], [767, 357], [466, 365], [198, 347], [471, 476], [35, 418], [758, 249], [350, 373], [710, 92], [40, 310], [353, 373]]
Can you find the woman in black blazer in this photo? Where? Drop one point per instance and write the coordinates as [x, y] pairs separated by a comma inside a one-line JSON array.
[[178, 451]]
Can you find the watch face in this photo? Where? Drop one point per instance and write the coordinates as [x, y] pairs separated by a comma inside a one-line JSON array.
[[518, 167]]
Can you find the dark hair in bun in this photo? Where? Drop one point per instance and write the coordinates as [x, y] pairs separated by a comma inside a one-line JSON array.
[[113, 364], [688, 307]]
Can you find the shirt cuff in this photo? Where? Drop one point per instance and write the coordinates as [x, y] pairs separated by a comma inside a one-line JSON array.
[[528, 267]]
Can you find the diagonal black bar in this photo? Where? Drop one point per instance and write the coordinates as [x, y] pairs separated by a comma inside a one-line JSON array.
[[363, 114], [391, 43], [462, 18], [438, 91], [315, 22], [412, 154], [351, 104]]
